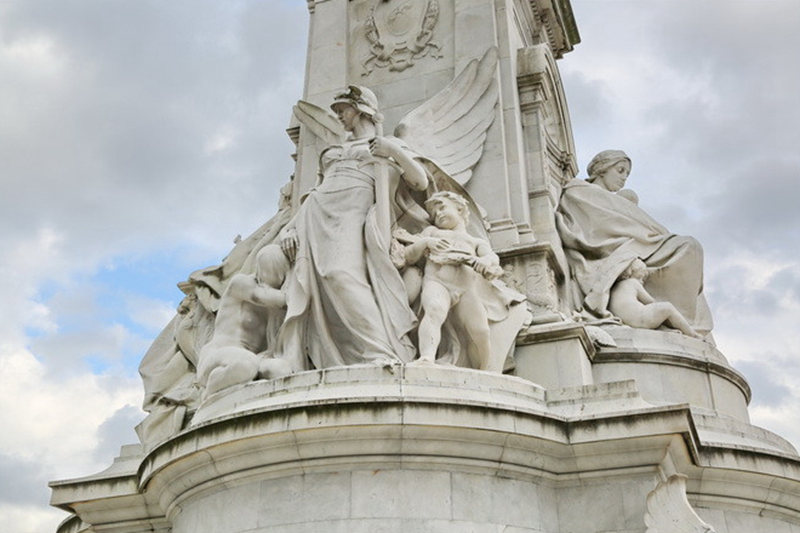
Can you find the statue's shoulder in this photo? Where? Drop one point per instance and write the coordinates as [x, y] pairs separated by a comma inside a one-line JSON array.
[[578, 187], [578, 183]]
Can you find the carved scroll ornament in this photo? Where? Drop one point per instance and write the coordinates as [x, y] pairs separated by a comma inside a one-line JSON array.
[[669, 511]]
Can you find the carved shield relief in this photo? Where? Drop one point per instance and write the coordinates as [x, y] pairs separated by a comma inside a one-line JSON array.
[[400, 32]]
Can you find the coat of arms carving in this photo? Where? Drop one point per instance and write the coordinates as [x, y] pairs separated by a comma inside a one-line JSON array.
[[400, 32]]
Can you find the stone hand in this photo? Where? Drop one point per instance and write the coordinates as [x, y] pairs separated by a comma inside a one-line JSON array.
[[437, 244], [383, 147], [487, 267], [289, 243]]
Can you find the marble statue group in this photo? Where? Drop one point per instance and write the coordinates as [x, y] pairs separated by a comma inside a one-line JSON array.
[[387, 261], [444, 327]]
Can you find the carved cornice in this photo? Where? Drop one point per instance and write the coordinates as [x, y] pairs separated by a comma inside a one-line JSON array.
[[557, 21]]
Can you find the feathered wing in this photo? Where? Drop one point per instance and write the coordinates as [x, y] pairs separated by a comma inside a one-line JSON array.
[[450, 128], [668, 510], [320, 122]]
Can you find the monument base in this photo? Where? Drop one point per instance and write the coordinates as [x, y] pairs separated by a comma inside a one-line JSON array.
[[365, 449]]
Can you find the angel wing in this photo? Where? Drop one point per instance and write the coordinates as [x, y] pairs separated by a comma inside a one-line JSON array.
[[668, 510], [450, 128], [321, 122]]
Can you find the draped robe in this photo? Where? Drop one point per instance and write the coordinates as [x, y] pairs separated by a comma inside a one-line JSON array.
[[603, 232], [346, 301]]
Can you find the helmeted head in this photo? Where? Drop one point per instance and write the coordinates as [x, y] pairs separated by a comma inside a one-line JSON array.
[[361, 99], [444, 205], [610, 169]]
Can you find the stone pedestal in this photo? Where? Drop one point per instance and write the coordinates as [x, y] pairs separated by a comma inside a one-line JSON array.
[[669, 368], [398, 449], [555, 355]]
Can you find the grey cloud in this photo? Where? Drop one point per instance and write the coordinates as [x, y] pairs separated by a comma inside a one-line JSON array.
[[587, 99], [22, 481], [733, 294], [109, 145], [765, 382], [715, 153], [787, 282], [757, 208], [114, 151], [116, 431]]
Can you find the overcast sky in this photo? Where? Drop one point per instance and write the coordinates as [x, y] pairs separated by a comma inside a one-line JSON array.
[[139, 137]]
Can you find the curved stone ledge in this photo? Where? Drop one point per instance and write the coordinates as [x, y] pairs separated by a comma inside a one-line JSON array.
[[361, 383], [669, 367], [723, 371], [726, 432], [373, 447]]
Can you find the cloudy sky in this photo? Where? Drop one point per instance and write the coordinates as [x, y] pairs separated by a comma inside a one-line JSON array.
[[138, 138]]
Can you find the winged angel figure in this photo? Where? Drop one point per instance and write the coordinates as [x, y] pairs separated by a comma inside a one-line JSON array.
[[347, 301]]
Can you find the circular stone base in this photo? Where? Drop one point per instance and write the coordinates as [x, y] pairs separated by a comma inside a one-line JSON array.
[[672, 368], [369, 449]]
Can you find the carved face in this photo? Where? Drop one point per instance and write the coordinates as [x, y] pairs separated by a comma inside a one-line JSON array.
[[348, 115], [446, 214], [613, 179]]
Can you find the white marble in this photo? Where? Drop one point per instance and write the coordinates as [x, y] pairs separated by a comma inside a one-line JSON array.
[[334, 430], [603, 234], [669, 511]]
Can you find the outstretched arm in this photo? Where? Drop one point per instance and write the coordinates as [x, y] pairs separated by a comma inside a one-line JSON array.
[[266, 296], [245, 288]]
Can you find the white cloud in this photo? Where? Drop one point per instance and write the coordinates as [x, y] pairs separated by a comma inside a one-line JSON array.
[[53, 423], [106, 113], [31, 518], [54, 420]]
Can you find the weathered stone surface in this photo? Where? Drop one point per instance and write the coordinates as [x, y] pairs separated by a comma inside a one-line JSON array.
[[337, 432]]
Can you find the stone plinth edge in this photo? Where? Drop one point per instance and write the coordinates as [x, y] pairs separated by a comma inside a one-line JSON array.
[[341, 433]]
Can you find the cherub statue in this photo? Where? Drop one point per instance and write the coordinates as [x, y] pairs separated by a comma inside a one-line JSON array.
[[635, 307], [458, 272]]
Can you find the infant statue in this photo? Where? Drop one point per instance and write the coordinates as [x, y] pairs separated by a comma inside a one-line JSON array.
[[456, 266], [632, 304]]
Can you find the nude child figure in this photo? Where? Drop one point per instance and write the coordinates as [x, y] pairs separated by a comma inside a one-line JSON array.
[[456, 263], [635, 307]]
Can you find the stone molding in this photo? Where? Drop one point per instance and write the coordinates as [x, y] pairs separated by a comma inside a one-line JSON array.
[[558, 24], [365, 418]]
